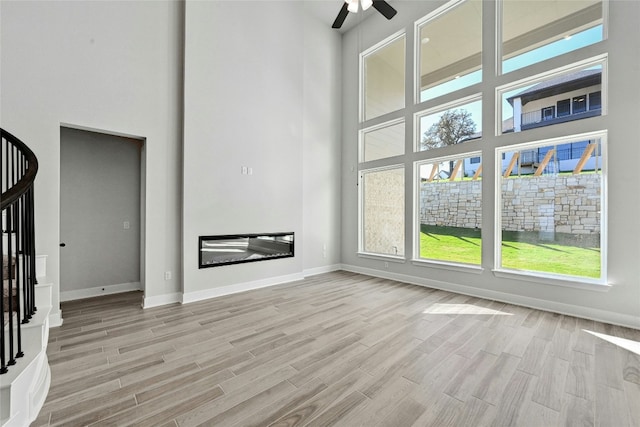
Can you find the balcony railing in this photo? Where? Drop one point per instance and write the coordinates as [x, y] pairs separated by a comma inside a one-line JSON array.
[[535, 119]]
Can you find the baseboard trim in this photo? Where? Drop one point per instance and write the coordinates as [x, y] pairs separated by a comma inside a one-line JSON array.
[[55, 319], [160, 300], [321, 270], [99, 290], [556, 307], [239, 287]]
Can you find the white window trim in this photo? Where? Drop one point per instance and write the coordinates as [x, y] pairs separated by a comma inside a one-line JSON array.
[[601, 60], [549, 278], [416, 260], [382, 257], [392, 38], [552, 279], [374, 128], [437, 109], [361, 173], [451, 266]]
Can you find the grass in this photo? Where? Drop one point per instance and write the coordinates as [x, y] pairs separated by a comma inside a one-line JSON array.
[[520, 250]]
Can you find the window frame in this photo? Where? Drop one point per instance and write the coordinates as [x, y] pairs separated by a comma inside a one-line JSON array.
[[499, 40], [415, 256], [598, 60], [440, 108], [362, 78], [361, 138], [361, 205], [492, 144], [417, 42], [544, 277]]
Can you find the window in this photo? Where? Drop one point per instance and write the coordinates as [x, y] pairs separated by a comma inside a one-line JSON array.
[[450, 54], [382, 204], [564, 108], [529, 103], [450, 209], [457, 123], [548, 113], [382, 213], [552, 209], [533, 31], [549, 194], [579, 104], [383, 76], [595, 101], [382, 141]]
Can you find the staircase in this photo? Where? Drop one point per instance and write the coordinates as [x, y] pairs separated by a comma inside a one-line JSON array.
[[25, 305]]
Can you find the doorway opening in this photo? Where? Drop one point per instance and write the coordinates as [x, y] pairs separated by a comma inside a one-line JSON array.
[[102, 218]]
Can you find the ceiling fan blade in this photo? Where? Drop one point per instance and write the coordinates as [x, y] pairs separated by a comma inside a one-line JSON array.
[[384, 8], [342, 15]]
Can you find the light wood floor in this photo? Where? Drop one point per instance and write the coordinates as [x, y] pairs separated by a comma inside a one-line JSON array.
[[337, 349]]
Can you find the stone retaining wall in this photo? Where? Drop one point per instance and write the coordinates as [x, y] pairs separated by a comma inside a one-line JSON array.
[[562, 204]]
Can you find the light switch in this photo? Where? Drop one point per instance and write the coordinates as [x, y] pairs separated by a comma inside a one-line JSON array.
[[126, 225]]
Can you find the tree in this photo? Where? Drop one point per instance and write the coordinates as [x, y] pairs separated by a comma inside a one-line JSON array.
[[453, 127]]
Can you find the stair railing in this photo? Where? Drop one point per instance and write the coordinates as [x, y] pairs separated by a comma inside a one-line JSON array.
[[18, 168]]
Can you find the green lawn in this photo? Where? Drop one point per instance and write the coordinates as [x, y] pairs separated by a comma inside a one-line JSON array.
[[522, 251]]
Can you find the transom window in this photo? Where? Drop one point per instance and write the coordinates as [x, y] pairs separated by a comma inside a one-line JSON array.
[[552, 200]]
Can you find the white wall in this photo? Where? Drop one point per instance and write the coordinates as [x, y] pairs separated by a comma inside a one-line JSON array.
[[99, 192], [621, 303], [321, 136], [114, 66], [255, 97]]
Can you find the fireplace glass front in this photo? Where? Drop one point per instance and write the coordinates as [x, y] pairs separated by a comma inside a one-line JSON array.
[[216, 251]]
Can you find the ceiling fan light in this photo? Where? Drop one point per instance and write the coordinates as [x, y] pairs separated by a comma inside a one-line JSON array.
[[366, 4], [353, 6]]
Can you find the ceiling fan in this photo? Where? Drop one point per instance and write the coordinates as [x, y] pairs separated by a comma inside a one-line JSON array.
[[352, 6]]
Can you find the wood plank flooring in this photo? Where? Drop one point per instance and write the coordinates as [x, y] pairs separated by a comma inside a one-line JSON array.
[[336, 349]]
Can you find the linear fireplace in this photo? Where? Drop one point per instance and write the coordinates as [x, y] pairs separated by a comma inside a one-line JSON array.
[[215, 251]]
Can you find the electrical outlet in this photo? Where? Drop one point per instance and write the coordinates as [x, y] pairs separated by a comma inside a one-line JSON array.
[[167, 275], [126, 225]]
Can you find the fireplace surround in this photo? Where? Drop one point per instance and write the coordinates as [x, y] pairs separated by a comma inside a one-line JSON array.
[[216, 251]]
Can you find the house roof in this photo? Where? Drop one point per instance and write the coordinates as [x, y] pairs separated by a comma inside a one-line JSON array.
[[558, 85]]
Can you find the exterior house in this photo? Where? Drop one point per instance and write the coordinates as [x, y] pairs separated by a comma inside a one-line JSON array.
[[562, 99]]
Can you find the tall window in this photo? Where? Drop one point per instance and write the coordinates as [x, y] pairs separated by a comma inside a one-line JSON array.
[[552, 204], [382, 212], [550, 194], [450, 209]]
